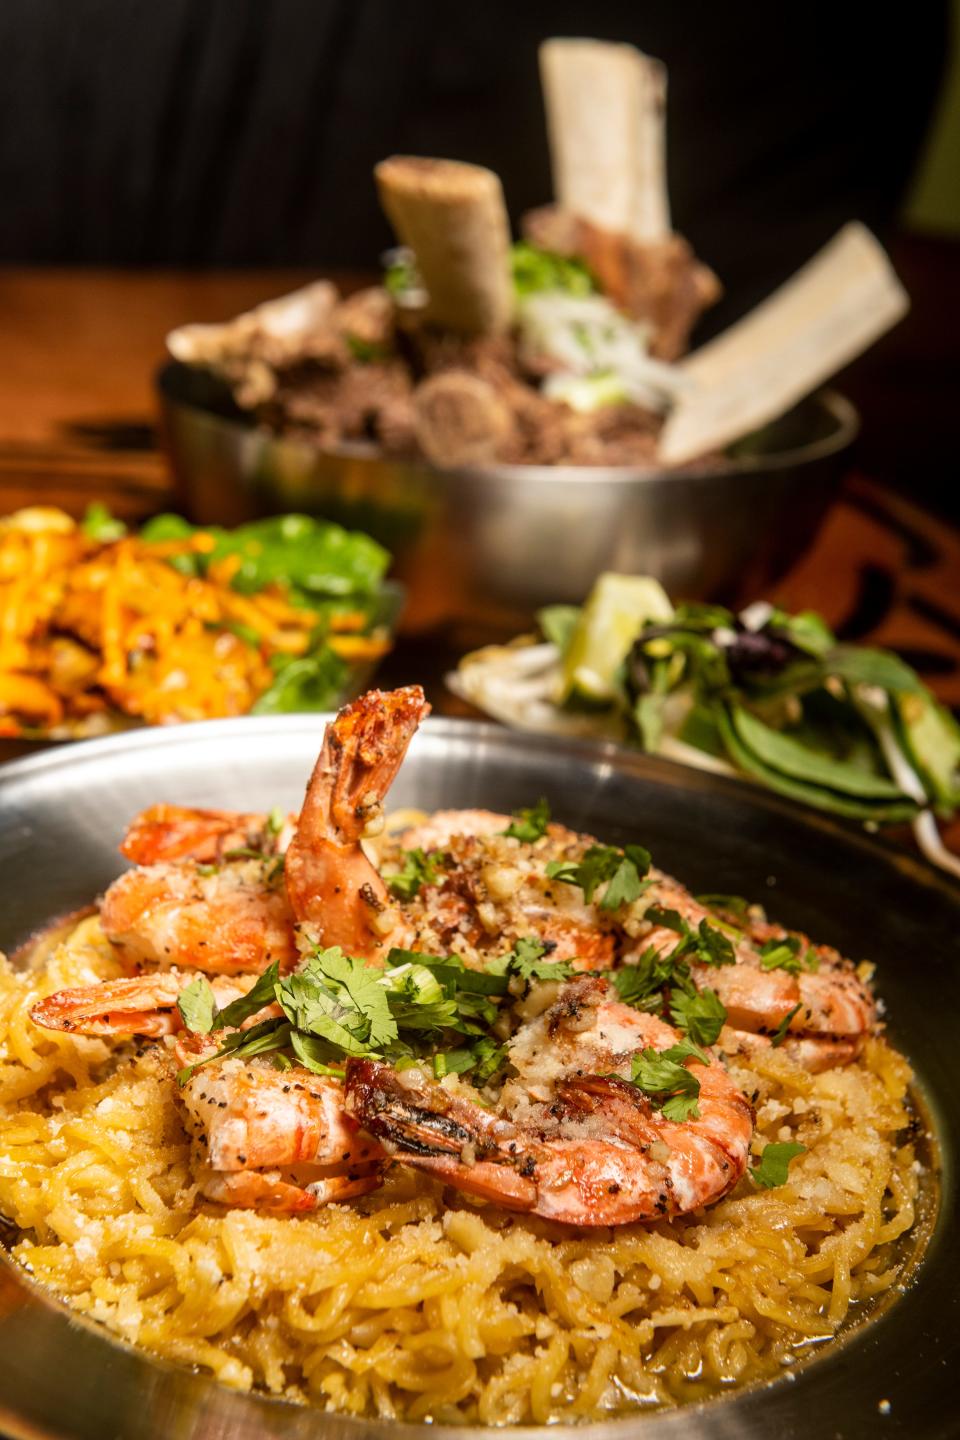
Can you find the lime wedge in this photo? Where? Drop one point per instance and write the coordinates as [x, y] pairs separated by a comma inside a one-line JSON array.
[[615, 611]]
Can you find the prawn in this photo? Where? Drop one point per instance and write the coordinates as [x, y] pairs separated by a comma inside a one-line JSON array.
[[336, 893], [135, 1005], [273, 1139], [830, 1008], [264, 1139], [181, 832], [526, 902], [224, 919], [828, 1005], [585, 1147]]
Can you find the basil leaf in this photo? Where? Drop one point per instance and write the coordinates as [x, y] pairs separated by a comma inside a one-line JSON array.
[[773, 1167]]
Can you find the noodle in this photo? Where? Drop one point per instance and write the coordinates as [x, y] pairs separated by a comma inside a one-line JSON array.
[[414, 1304]]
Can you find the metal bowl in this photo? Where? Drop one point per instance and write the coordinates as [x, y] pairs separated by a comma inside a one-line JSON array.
[[61, 816], [494, 544]]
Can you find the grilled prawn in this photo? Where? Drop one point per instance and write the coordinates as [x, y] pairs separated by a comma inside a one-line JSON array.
[[584, 1147]]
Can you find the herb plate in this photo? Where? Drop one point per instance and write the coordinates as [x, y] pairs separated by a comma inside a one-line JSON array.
[[61, 816]]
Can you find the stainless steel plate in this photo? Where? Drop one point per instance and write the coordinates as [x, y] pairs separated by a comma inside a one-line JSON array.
[[61, 815]]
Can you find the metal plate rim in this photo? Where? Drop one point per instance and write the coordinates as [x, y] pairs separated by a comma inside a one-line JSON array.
[[746, 1413]]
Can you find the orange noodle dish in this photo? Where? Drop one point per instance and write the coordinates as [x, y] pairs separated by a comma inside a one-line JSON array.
[[459, 1117]]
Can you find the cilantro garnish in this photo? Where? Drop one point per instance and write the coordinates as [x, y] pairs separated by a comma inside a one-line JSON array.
[[731, 904], [531, 823], [700, 1014], [340, 1000], [490, 1059], [663, 1074], [275, 821], [782, 955], [198, 1006], [452, 1062], [623, 870], [640, 985], [527, 963], [418, 869], [269, 1035], [773, 1167], [335, 1006], [780, 1034], [707, 945]]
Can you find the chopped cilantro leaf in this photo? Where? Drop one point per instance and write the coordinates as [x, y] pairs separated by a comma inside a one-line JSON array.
[[706, 944], [730, 904], [700, 1014], [526, 961], [269, 1035], [263, 992], [773, 1166], [311, 1051], [782, 955], [418, 869], [623, 869], [531, 823], [452, 1062], [713, 947], [340, 1000], [780, 1034], [663, 1073], [490, 1060], [639, 985], [668, 919], [198, 1006]]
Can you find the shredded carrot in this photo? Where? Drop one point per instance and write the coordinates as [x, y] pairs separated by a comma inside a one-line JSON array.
[[94, 632]]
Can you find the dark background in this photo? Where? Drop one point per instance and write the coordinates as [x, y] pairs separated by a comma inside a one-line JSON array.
[[237, 132]]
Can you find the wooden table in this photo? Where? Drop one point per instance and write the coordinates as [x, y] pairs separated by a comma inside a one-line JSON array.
[[77, 423]]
